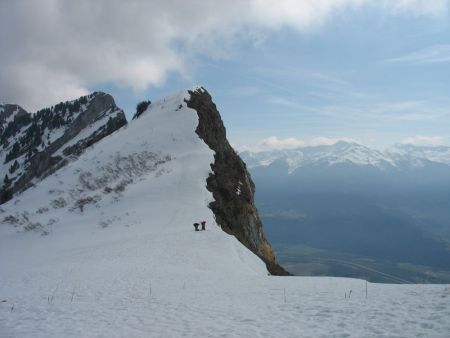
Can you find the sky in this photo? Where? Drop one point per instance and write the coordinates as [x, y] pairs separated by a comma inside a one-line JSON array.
[[283, 73]]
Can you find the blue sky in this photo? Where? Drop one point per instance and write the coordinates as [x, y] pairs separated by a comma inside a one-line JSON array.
[[309, 73], [366, 75]]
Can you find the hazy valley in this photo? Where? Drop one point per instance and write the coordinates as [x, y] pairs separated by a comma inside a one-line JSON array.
[[347, 210]]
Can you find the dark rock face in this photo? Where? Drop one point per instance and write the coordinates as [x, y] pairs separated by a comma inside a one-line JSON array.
[[33, 146], [231, 184]]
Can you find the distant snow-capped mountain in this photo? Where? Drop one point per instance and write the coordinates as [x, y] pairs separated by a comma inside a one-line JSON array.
[[399, 156], [419, 155]]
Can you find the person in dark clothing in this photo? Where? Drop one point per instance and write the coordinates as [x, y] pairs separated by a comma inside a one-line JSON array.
[[203, 225], [196, 226]]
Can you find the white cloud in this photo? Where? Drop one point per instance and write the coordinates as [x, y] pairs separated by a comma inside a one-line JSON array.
[[289, 103], [327, 141], [421, 140], [54, 49], [428, 55], [307, 14], [283, 101], [275, 143]]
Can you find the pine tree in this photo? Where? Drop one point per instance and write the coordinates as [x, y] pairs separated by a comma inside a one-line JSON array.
[[141, 107]]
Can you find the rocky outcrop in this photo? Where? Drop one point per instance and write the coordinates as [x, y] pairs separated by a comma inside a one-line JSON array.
[[231, 184], [32, 146]]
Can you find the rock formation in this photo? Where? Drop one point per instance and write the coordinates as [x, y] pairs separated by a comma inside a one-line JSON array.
[[231, 184]]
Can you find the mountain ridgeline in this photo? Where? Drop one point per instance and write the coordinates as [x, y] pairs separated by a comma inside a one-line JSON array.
[[35, 146]]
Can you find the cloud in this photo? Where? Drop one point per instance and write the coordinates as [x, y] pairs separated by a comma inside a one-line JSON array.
[[289, 103], [307, 14], [54, 49], [274, 143], [421, 140], [428, 55], [327, 141], [283, 101]]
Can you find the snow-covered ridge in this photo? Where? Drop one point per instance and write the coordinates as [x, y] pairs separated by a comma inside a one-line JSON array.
[[351, 153], [156, 163]]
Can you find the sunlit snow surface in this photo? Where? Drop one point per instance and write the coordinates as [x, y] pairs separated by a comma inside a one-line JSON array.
[[126, 261]]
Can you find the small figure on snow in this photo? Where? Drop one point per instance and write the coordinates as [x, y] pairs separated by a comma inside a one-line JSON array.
[[203, 225], [196, 226]]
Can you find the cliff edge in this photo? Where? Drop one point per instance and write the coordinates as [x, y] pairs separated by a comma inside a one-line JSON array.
[[231, 185]]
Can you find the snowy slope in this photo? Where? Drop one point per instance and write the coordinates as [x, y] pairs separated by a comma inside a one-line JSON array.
[[106, 248]]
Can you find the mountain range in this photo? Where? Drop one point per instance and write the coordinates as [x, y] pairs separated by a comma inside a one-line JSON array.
[[400, 157], [383, 210]]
